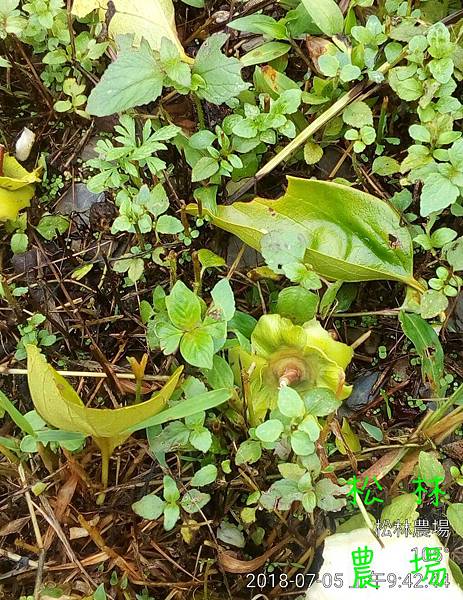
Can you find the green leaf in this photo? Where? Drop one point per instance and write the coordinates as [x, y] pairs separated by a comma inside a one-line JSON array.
[[171, 516], [373, 431], [420, 133], [186, 408], [260, 24], [19, 242], [183, 307], [171, 493], [301, 443], [328, 64], [455, 517], [433, 302], [402, 509], [326, 492], [321, 402], [291, 471], [149, 507], [221, 374], [197, 348], [349, 437], [221, 74], [454, 254], [326, 14], [269, 431], [282, 247], [194, 500], [136, 268], [349, 73], [52, 225], [248, 452], [177, 70], [312, 152], [204, 168], [309, 425], [297, 304], [351, 235], [437, 193], [230, 534], [201, 439], [290, 403], [265, 53], [133, 79], [16, 416], [358, 114], [456, 572], [281, 495], [442, 236], [441, 69], [429, 467], [222, 295], [62, 106], [168, 337], [429, 348], [385, 165], [204, 476], [408, 88], [168, 224], [99, 593], [209, 259]]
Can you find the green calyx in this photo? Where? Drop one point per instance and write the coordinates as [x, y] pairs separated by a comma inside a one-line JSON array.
[[303, 357]]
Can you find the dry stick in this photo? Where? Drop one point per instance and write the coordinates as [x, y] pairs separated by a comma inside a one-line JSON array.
[[38, 535], [96, 374]]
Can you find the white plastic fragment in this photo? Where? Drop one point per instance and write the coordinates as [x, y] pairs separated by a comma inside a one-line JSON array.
[[24, 144], [394, 563]]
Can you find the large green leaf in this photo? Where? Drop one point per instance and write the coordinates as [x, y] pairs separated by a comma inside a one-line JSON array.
[[134, 78], [351, 235]]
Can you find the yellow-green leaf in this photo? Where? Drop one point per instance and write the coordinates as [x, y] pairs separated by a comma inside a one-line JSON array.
[[59, 405], [15, 176], [12, 202], [351, 235], [16, 188], [350, 437], [150, 19]]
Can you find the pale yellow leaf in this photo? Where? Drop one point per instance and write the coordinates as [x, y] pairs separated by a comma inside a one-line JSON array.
[[148, 19]]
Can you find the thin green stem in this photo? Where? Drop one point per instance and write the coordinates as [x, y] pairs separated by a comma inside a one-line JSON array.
[[138, 383], [10, 456], [139, 235], [199, 111]]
